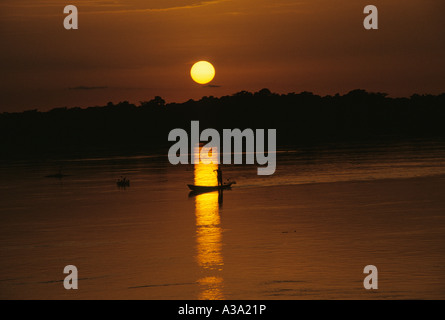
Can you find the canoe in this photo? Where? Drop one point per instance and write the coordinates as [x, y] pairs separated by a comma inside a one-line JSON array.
[[210, 188], [122, 183], [57, 175]]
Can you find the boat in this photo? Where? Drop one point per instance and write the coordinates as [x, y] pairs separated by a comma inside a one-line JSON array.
[[202, 189], [57, 175], [123, 182]]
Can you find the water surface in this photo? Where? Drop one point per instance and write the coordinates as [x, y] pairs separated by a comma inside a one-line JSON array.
[[306, 232]]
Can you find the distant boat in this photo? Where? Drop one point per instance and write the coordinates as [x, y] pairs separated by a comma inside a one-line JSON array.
[[57, 175], [123, 182], [203, 189]]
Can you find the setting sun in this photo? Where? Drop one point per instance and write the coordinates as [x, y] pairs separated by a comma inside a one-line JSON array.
[[202, 72]]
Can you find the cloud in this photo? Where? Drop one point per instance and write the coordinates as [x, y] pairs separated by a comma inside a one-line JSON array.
[[212, 86], [110, 6], [156, 5], [87, 88]]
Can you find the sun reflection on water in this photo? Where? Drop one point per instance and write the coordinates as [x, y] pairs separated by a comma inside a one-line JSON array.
[[209, 234]]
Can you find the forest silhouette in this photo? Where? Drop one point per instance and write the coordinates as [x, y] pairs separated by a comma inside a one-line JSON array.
[[301, 119]]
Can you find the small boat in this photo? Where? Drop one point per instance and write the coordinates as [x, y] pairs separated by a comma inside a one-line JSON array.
[[196, 188], [57, 175], [123, 182]]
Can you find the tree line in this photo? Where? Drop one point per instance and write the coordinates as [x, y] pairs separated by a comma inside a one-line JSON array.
[[300, 119]]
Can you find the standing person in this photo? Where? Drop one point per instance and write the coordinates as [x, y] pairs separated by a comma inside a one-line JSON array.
[[219, 176]]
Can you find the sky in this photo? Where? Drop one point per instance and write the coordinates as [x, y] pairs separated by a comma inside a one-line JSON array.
[[136, 49]]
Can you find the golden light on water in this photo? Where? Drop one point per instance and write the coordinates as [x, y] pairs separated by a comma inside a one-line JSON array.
[[205, 174], [208, 231], [213, 289], [208, 234]]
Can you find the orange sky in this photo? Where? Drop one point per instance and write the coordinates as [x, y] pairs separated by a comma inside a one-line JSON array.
[[136, 49]]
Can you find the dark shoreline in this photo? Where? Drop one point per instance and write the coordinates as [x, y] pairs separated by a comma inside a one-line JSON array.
[[301, 120]]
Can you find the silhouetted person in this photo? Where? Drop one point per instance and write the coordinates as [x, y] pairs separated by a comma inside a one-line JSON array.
[[219, 176]]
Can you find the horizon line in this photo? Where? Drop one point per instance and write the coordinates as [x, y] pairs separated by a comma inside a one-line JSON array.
[[384, 94]]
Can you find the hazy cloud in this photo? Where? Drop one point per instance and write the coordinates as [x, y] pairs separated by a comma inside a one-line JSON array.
[[111, 6], [87, 88]]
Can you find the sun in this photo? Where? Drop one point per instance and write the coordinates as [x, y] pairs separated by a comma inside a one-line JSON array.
[[202, 72]]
